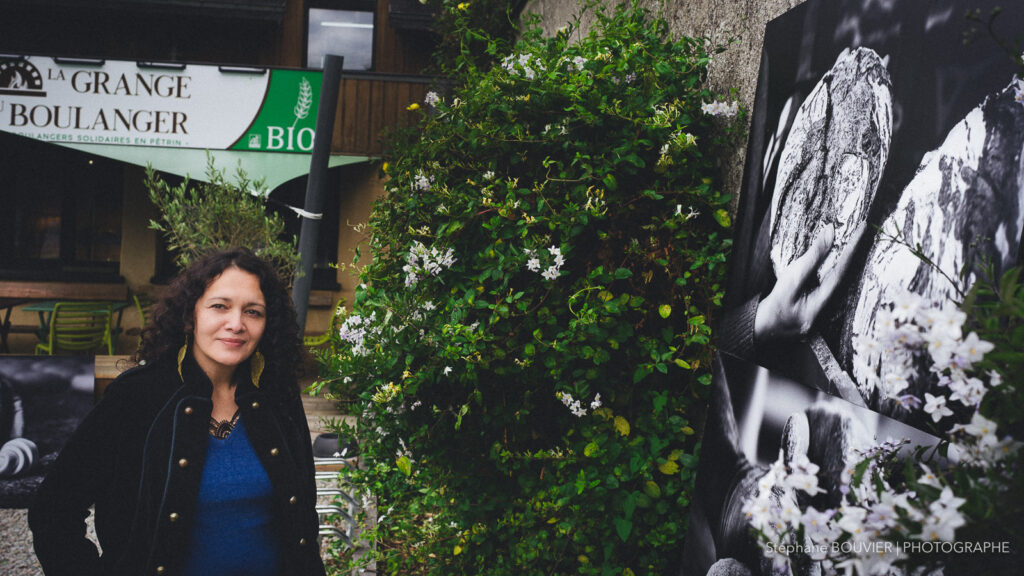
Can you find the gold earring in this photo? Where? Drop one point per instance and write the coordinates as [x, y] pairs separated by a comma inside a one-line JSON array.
[[257, 363], [181, 358]]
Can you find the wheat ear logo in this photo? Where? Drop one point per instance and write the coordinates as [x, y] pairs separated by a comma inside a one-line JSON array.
[[304, 102]]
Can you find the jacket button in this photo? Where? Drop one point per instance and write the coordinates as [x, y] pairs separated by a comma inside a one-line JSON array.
[[183, 463], [302, 541], [293, 500], [173, 517], [188, 410], [255, 405], [274, 451], [160, 570]]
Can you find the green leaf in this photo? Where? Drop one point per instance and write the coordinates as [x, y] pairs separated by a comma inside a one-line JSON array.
[[404, 465], [723, 219], [621, 425], [610, 182], [641, 373], [665, 310], [623, 528]]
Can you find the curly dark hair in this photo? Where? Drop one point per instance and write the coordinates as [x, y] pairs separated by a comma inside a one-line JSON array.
[[173, 317]]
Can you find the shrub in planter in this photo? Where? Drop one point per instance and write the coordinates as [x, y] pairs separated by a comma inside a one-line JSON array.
[[530, 344], [217, 213]]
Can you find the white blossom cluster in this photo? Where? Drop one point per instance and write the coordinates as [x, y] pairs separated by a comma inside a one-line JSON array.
[[980, 446], [355, 330], [720, 108], [431, 99], [552, 271], [911, 332], [423, 261], [575, 406], [850, 537], [523, 64], [421, 182], [858, 536]]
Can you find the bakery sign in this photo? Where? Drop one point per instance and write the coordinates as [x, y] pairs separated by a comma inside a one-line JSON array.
[[128, 103]]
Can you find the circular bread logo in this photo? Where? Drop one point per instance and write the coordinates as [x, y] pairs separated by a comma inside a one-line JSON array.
[[20, 78]]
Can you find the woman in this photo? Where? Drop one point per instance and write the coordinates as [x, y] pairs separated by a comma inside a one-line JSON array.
[[198, 461]]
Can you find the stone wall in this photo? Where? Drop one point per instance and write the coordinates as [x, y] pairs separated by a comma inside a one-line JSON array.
[[739, 24]]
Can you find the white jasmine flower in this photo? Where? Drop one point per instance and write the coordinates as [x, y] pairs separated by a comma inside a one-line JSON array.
[[944, 519], [909, 401], [969, 391], [574, 405], [534, 264], [447, 370], [818, 525], [936, 406], [944, 322], [758, 513], [907, 306], [981, 428], [882, 515], [421, 182], [789, 510], [720, 108], [803, 475], [972, 350], [431, 99], [994, 378], [895, 381], [423, 261], [927, 477], [851, 520]]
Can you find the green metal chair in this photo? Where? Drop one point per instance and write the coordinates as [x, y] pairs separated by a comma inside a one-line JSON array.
[[143, 303], [78, 327], [314, 340]]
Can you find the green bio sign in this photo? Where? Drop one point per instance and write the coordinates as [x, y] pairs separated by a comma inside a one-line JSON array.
[[287, 119]]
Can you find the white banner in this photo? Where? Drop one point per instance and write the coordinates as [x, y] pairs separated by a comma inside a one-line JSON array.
[[180, 106]]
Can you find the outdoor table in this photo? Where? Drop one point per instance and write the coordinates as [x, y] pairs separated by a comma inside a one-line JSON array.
[[45, 309], [6, 305]]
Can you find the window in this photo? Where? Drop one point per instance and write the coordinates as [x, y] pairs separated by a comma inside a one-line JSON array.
[[346, 31], [62, 212]]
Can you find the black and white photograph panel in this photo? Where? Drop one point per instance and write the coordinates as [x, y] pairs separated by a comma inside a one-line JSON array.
[[757, 420], [42, 401], [884, 169]]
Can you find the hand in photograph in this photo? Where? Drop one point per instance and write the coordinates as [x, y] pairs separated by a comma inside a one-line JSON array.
[[790, 310]]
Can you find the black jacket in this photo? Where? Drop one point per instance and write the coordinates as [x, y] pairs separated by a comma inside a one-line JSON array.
[[138, 457]]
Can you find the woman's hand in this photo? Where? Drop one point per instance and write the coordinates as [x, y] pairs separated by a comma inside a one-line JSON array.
[[791, 308]]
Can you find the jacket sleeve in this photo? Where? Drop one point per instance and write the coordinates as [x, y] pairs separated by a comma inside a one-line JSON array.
[[315, 563], [61, 505]]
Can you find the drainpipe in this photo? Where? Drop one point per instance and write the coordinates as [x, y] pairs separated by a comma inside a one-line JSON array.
[[315, 186]]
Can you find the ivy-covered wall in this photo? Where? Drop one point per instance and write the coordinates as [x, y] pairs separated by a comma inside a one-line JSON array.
[[739, 21]]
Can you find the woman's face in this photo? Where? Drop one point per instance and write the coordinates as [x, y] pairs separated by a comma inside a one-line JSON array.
[[229, 321]]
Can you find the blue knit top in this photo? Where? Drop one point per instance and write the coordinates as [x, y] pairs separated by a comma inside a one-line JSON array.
[[233, 532]]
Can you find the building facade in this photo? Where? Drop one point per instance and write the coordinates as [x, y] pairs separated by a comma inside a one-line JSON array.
[[77, 218]]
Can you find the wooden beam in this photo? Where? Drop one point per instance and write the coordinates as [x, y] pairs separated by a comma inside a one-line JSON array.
[[63, 291]]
